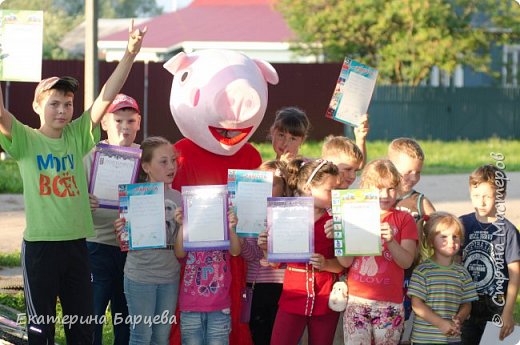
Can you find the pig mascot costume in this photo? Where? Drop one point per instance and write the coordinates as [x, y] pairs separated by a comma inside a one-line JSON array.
[[218, 99]]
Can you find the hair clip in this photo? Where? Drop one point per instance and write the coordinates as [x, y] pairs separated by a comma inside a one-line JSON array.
[[426, 217]]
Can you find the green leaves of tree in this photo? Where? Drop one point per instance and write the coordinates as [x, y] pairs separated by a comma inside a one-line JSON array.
[[404, 39]]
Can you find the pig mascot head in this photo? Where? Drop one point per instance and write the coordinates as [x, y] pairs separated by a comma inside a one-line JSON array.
[[218, 97]]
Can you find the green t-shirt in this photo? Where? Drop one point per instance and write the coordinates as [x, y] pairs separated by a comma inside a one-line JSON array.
[[55, 189]]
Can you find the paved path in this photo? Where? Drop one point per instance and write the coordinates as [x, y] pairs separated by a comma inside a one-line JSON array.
[[447, 192]]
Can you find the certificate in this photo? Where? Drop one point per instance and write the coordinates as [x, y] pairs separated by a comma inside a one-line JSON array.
[[492, 332], [353, 92], [21, 43], [112, 166], [290, 222], [205, 217], [356, 222], [248, 192], [142, 205]]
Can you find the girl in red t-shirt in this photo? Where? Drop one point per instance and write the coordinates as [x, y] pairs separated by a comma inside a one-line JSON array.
[[374, 311], [307, 286]]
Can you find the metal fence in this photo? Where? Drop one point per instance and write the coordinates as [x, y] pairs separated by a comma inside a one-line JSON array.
[[422, 112]]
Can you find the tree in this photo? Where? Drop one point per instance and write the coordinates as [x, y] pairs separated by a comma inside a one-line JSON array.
[[403, 39], [60, 16]]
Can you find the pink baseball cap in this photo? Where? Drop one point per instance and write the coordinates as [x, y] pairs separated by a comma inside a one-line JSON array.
[[123, 101]]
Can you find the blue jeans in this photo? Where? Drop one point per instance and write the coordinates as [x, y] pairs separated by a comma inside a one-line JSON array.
[[205, 328], [152, 311], [106, 265]]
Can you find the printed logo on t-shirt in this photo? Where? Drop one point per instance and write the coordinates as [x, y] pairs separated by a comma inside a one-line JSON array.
[[55, 175], [204, 273], [480, 263]]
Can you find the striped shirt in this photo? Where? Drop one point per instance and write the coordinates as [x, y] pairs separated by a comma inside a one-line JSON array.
[[258, 269], [443, 289]]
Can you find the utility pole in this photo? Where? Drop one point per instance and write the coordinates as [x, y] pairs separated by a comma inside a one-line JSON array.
[[91, 52]]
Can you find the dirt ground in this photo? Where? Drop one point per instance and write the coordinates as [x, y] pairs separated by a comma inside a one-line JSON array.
[[447, 192]]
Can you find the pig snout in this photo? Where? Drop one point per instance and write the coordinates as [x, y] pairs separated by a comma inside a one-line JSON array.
[[237, 102]]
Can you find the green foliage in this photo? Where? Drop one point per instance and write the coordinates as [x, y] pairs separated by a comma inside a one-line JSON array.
[[442, 157], [14, 301], [9, 259], [403, 39], [17, 302], [10, 179]]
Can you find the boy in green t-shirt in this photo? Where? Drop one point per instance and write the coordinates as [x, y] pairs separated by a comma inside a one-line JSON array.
[[54, 254]]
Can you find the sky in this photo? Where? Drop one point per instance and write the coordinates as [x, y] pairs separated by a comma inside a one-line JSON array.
[[168, 4]]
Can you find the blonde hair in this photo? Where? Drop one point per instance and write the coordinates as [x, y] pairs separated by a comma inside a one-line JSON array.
[[407, 146], [487, 174], [302, 173], [380, 173], [338, 145], [148, 146], [430, 226], [279, 169]]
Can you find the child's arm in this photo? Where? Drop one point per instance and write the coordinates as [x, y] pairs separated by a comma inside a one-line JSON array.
[[360, 134], [320, 263], [462, 314], [345, 261], [6, 118], [234, 241], [427, 206], [404, 253], [447, 327], [118, 77], [508, 323], [179, 244]]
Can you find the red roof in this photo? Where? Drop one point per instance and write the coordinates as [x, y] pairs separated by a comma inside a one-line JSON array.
[[215, 20], [231, 2]]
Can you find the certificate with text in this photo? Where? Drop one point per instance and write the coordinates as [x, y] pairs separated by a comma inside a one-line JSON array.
[[205, 222], [112, 166], [353, 92], [248, 193], [356, 222], [21, 45], [142, 205], [290, 223]]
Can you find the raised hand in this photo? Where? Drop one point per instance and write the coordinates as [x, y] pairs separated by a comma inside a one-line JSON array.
[[135, 38]]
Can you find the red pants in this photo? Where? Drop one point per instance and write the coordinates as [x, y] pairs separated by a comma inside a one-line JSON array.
[[288, 328]]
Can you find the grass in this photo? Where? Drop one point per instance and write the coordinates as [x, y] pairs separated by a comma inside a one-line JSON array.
[[452, 157], [10, 180], [10, 259], [16, 301]]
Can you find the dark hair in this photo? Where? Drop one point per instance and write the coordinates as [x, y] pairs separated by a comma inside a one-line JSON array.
[[66, 84], [292, 120], [148, 146], [302, 173]]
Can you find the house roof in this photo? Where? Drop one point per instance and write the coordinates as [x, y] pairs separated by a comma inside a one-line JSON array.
[[74, 40], [213, 20]]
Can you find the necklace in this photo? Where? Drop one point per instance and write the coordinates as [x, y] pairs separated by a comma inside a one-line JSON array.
[[484, 228]]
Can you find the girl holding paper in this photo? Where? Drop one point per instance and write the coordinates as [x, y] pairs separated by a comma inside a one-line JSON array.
[[374, 311], [151, 278], [307, 286], [264, 280]]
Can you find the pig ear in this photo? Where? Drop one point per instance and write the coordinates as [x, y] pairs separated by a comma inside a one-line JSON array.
[[175, 63], [268, 71]]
